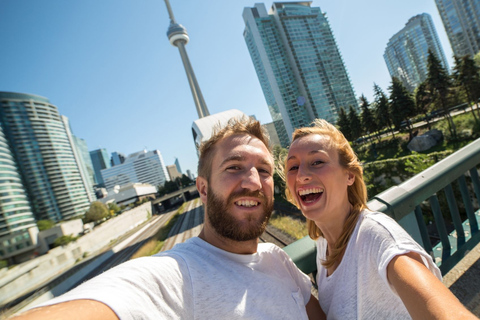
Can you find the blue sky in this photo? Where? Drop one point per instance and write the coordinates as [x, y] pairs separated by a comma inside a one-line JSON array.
[[108, 65]]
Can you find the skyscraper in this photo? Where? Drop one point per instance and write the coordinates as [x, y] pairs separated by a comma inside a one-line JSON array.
[[16, 216], [44, 152], [461, 19], [144, 167], [177, 164], [117, 158], [406, 53], [298, 64], [100, 161]]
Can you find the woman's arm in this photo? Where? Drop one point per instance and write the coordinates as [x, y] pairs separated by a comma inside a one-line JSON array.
[[314, 311], [424, 296]]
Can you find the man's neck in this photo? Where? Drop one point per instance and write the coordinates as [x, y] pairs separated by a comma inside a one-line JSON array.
[[239, 247]]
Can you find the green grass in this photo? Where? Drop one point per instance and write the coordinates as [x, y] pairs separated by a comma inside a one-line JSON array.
[[155, 244], [293, 227]]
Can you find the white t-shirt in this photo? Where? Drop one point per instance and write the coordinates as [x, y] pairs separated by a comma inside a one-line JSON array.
[[359, 288], [196, 280]]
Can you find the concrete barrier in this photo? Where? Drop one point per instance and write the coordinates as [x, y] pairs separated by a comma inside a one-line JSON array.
[[31, 274]]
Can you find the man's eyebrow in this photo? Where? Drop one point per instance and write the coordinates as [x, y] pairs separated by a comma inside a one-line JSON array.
[[236, 157], [242, 158]]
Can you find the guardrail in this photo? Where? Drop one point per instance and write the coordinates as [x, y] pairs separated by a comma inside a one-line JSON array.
[[447, 191]]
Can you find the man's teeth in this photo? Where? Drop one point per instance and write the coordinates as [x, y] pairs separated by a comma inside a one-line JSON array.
[[309, 191], [247, 203]]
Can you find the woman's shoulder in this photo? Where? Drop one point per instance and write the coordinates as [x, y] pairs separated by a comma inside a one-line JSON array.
[[375, 224]]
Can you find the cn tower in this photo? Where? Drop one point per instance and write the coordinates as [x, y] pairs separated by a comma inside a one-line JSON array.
[[178, 37]]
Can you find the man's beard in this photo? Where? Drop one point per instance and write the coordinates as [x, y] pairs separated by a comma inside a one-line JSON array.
[[226, 225]]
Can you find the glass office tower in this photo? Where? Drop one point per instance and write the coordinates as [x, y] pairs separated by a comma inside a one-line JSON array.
[[45, 157], [298, 64], [406, 53], [100, 161], [461, 19]]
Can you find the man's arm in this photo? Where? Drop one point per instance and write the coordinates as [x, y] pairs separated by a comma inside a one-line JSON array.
[[314, 311], [424, 296], [71, 310]]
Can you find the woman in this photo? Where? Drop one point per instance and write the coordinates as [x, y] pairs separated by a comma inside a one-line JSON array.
[[368, 266]]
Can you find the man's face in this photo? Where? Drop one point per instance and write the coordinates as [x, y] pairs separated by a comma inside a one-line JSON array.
[[239, 197]]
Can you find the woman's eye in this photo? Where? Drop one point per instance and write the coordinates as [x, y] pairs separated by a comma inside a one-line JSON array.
[[292, 168], [316, 163]]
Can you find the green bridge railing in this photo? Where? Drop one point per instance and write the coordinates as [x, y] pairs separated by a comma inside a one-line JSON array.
[[447, 192]]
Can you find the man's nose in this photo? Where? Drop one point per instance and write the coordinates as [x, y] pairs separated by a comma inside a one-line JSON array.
[[251, 180]]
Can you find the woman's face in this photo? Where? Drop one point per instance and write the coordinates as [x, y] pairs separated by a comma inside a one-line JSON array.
[[315, 179]]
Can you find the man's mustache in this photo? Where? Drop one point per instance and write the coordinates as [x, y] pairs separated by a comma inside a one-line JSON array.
[[247, 193]]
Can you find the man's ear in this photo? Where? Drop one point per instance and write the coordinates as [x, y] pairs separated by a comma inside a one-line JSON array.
[[202, 187]]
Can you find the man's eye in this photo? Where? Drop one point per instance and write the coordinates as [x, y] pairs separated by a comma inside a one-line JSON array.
[[233, 168], [264, 171]]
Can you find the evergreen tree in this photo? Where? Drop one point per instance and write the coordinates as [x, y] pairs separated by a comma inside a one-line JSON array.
[[382, 109], [402, 106], [466, 75], [343, 124], [368, 120], [439, 82], [354, 122], [423, 100]]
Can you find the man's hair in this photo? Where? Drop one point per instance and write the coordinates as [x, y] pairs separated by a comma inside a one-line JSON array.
[[235, 126]]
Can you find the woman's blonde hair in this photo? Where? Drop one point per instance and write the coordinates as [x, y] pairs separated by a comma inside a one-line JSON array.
[[357, 192]]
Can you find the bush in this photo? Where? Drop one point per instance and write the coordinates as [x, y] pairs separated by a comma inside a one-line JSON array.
[[45, 224], [63, 240]]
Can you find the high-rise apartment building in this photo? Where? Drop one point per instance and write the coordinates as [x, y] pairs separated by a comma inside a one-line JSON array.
[[406, 54], [17, 222], [100, 161], [461, 19], [144, 167], [298, 64], [40, 174]]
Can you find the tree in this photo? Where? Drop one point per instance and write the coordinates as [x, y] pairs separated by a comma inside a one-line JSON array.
[[423, 100], [168, 187], [45, 224], [439, 82], [344, 124], [466, 74], [367, 119], [96, 212], [382, 109], [186, 181], [402, 106], [112, 206], [355, 124]]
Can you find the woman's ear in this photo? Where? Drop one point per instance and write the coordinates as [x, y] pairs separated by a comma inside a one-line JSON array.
[[350, 178]]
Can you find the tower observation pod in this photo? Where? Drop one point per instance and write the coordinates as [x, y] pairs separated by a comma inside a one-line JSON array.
[[178, 37]]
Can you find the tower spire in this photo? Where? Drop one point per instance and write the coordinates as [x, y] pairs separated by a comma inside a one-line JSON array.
[[178, 37]]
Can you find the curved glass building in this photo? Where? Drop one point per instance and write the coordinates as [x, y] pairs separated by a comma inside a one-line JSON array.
[[45, 155]]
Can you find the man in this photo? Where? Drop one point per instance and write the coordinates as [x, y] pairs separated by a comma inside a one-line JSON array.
[[222, 273]]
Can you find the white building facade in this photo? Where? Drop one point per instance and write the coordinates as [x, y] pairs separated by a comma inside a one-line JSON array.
[[144, 167]]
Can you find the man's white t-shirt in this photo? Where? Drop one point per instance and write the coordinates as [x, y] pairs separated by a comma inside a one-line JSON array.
[[359, 288], [196, 280]]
